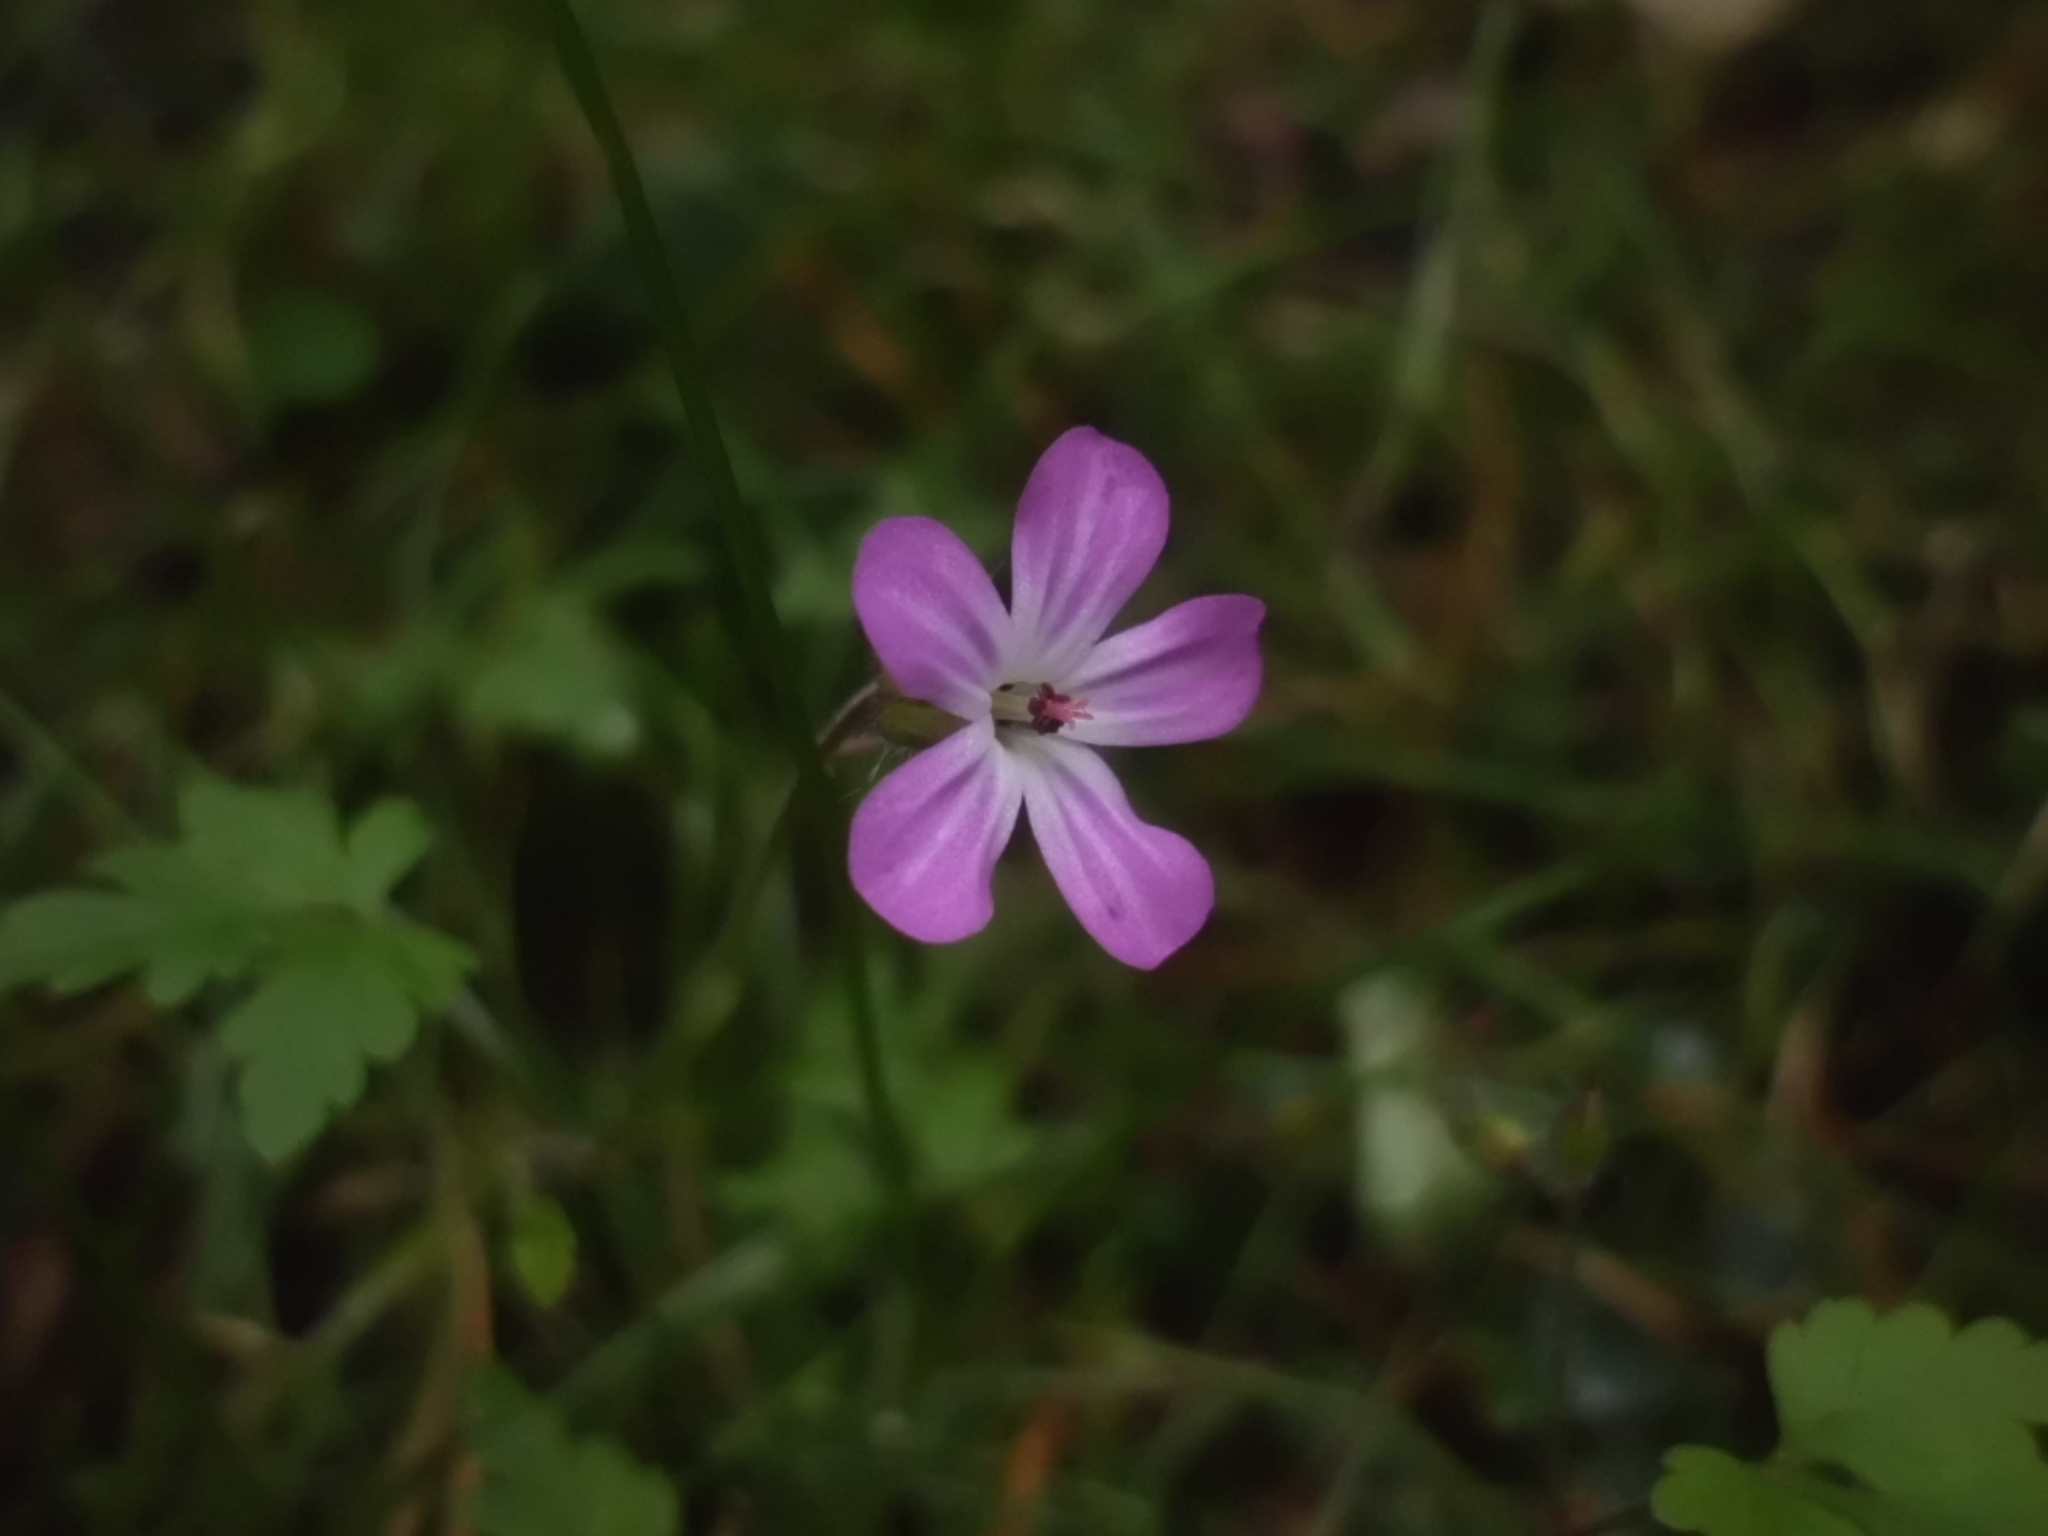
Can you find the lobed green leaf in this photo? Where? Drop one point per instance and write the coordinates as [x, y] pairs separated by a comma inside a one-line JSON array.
[[1934, 1427], [1717, 1495], [260, 884], [538, 1480]]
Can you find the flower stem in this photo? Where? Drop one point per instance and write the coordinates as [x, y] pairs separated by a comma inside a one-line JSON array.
[[892, 1152], [758, 632]]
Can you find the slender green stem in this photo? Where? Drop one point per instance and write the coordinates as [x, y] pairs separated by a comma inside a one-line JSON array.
[[892, 1152], [713, 1293], [759, 633], [763, 640], [1559, 1448], [481, 368], [1423, 357], [39, 742]]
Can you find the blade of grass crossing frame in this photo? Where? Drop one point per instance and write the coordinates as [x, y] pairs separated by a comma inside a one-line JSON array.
[[760, 637]]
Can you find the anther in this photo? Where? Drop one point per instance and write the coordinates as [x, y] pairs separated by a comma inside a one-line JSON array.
[[1050, 710], [1043, 707]]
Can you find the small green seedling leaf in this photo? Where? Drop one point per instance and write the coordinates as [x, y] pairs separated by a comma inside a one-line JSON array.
[[1934, 1427], [262, 885], [542, 1250], [538, 1480], [310, 348]]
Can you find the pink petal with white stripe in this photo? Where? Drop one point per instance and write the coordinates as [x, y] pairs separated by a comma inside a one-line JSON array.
[[1140, 890], [1090, 525], [924, 843], [1190, 674], [931, 613]]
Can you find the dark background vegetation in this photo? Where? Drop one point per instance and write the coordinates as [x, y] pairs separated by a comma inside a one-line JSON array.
[[1630, 918]]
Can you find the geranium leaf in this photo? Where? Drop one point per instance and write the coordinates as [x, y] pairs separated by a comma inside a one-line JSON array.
[[1934, 1428], [539, 1480], [261, 885]]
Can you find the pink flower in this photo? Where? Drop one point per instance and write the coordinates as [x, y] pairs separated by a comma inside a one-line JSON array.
[[1040, 689]]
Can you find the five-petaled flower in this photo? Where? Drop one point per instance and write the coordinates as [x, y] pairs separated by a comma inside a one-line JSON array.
[[1039, 689]]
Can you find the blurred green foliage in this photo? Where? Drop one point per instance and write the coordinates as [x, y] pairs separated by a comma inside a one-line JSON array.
[[534, 1479], [310, 349], [1641, 451], [1935, 1427]]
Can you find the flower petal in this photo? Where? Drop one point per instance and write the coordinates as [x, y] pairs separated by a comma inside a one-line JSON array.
[[1090, 525], [1188, 675], [1140, 890], [925, 841], [931, 613]]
